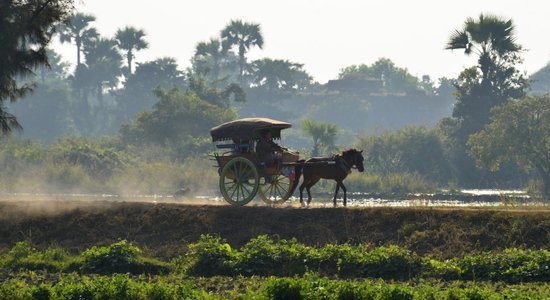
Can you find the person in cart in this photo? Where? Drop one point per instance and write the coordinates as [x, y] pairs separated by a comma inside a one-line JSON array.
[[268, 152]]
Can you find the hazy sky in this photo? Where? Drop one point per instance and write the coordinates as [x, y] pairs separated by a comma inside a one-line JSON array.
[[326, 35]]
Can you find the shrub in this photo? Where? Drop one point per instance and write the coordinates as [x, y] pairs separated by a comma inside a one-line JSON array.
[[390, 262], [403, 183], [396, 292], [283, 289], [23, 256], [41, 292], [115, 257], [512, 265], [209, 256], [261, 256], [351, 291]]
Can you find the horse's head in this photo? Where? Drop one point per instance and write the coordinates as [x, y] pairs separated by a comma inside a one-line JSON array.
[[354, 158]]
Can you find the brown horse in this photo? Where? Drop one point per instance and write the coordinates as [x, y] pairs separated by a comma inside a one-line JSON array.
[[336, 168]]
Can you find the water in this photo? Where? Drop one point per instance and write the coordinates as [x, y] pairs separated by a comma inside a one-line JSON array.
[[468, 198]]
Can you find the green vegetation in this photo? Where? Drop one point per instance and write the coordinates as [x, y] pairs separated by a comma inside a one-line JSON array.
[[23, 47], [311, 286], [130, 40], [261, 256], [518, 131], [323, 135], [101, 166], [494, 81], [393, 78], [244, 36], [43, 274], [377, 107], [114, 125]]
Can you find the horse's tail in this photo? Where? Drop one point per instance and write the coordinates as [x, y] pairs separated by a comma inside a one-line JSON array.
[[298, 172], [298, 169]]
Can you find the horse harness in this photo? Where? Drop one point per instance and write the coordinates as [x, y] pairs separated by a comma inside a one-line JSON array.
[[341, 162], [336, 159]]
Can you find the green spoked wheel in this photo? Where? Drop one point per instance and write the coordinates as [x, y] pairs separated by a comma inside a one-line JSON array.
[[276, 190], [239, 181]]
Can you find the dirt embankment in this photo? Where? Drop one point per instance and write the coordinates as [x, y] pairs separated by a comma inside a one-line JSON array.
[[166, 228]]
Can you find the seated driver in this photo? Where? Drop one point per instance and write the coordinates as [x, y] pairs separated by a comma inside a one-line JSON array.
[[267, 150]]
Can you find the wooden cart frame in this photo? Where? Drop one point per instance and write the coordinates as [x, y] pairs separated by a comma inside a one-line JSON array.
[[242, 175]]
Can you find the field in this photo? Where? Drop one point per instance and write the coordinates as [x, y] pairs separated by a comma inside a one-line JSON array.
[[206, 250]]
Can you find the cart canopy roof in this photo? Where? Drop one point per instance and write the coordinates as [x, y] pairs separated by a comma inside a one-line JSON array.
[[247, 129]]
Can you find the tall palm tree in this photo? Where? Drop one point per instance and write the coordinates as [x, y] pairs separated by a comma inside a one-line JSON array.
[[130, 39], [243, 35], [103, 64], [80, 31], [212, 49], [490, 37]]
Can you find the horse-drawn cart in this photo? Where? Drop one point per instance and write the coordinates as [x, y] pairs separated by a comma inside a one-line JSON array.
[[242, 174]]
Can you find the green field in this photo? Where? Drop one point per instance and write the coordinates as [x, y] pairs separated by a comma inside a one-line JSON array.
[[132, 250], [265, 269]]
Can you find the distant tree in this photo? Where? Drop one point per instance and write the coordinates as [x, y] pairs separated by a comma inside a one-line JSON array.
[[79, 31], [57, 69], [408, 150], [82, 86], [323, 134], [214, 51], [219, 97], [490, 37], [394, 79], [176, 117], [26, 28], [492, 82], [495, 79], [279, 75], [520, 132], [137, 92], [428, 85], [130, 39], [48, 112], [103, 64], [244, 36], [102, 70], [446, 87]]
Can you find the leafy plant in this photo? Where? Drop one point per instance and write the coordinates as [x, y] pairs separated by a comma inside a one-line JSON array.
[[209, 256], [112, 258]]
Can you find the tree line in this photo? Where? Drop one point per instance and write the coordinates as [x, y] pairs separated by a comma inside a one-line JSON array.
[[156, 102]]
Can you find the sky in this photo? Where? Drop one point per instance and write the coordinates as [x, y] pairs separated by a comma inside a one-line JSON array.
[[325, 35]]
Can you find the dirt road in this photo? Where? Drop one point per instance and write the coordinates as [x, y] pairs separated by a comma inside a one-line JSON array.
[[166, 228]]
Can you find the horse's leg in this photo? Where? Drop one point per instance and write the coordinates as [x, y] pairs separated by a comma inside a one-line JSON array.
[[302, 186], [308, 187], [336, 192], [345, 193]]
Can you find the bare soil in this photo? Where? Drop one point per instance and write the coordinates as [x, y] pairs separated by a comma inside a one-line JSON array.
[[165, 229]]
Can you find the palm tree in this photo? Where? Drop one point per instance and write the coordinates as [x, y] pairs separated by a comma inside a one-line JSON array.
[[130, 39], [212, 49], [323, 134], [103, 64], [490, 37], [79, 31], [243, 35]]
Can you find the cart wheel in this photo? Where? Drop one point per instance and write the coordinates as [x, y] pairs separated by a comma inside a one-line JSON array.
[[276, 190], [239, 181]]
